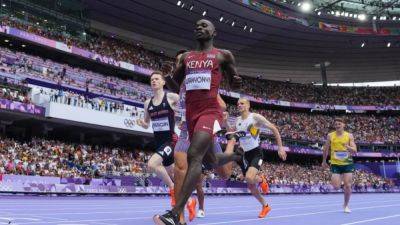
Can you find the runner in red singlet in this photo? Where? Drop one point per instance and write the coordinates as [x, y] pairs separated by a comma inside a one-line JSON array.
[[202, 71]]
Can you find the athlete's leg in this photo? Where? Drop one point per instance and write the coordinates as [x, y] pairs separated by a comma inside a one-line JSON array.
[[252, 181], [199, 145], [155, 165], [348, 181], [180, 172], [225, 171], [170, 170], [336, 180], [215, 160], [200, 192]]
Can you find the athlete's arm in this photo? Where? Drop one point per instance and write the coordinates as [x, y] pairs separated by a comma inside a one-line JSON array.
[[146, 120], [174, 79], [173, 100], [262, 121], [221, 102], [229, 69], [325, 150], [352, 145]]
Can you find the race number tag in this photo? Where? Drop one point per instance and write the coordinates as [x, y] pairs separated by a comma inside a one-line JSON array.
[[341, 155], [161, 124], [198, 81]]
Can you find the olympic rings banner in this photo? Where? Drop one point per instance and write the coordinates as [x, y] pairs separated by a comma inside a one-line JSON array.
[[258, 5], [41, 184]]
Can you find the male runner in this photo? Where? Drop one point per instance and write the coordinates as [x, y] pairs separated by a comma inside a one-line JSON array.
[[160, 111], [202, 71], [181, 149], [248, 125], [341, 145]]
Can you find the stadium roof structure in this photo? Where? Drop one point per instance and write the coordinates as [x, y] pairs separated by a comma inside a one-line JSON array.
[[283, 43]]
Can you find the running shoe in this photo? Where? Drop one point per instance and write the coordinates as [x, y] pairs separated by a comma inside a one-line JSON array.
[[264, 211], [191, 207], [168, 218], [347, 209], [172, 194], [201, 214], [264, 185]]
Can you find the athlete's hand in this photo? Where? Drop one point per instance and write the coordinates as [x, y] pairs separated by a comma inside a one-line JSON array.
[[236, 81], [282, 154], [180, 125], [324, 165], [167, 67], [140, 122], [349, 148], [225, 116]]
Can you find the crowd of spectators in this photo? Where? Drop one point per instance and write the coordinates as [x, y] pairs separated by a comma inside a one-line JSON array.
[[22, 65], [13, 91], [41, 157], [377, 129], [293, 125], [94, 41], [310, 93], [123, 50], [310, 174]]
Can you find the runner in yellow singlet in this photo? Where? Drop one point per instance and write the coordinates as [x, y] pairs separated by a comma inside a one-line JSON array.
[[341, 146]]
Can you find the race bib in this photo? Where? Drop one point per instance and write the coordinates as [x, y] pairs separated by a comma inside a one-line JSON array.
[[161, 124], [341, 155], [198, 81]]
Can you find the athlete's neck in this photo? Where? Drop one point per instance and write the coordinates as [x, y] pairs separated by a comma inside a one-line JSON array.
[[205, 45], [339, 132], [159, 93], [245, 114]]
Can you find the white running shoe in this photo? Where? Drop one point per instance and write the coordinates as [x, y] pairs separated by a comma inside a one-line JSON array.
[[347, 209], [201, 214]]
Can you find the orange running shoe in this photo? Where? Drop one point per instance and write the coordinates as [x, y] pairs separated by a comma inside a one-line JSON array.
[[172, 194], [265, 210], [264, 185], [191, 207]]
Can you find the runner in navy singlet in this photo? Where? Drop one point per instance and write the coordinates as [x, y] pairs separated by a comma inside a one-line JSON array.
[[160, 111]]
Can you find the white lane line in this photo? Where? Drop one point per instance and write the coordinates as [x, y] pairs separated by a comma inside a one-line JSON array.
[[208, 209], [296, 215], [373, 219], [94, 220]]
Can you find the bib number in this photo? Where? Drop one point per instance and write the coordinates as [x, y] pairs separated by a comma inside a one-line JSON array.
[[341, 155], [160, 124], [198, 81]]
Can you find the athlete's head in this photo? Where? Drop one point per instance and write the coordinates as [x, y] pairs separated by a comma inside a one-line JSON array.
[[243, 105], [157, 80], [339, 124], [205, 30]]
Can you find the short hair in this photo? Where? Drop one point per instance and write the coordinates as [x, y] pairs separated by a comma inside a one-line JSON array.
[[157, 72], [181, 52], [245, 99], [337, 119]]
